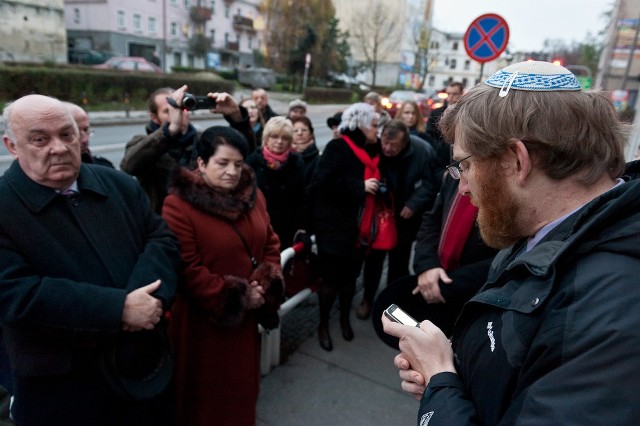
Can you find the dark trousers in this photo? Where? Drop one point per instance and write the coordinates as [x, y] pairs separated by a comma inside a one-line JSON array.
[[83, 397], [398, 265], [339, 275]]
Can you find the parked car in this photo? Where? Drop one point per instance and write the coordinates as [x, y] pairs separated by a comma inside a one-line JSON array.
[[88, 56], [394, 101], [129, 63]]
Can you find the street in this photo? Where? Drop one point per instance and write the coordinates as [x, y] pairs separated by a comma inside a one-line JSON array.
[[113, 130]]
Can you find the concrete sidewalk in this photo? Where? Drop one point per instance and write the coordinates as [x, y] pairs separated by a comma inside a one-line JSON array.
[[355, 384]]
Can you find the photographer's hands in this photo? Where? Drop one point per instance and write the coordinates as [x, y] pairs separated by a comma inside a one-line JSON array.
[[227, 105], [177, 121]]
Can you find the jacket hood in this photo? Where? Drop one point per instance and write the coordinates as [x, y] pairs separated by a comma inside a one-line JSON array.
[[609, 223]]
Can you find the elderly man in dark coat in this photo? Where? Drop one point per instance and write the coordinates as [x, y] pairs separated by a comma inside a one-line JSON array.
[[86, 273]]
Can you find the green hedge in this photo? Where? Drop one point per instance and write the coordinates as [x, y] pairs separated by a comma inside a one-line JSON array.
[[98, 86]]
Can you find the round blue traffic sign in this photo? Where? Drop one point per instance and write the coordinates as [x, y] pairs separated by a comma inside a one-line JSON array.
[[486, 38]]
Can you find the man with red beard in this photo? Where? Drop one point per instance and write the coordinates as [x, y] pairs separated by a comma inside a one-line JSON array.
[[552, 337]]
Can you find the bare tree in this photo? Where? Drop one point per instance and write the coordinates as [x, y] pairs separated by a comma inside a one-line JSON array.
[[376, 32]]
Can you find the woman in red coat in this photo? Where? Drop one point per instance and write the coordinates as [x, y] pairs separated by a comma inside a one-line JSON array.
[[231, 280]]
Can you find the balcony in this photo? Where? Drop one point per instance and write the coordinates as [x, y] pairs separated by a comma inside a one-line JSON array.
[[199, 14], [232, 45], [241, 23]]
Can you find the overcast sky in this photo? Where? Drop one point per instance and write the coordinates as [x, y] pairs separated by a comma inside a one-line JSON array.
[[530, 21]]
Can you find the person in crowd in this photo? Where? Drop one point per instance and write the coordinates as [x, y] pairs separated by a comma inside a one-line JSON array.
[[552, 336], [280, 174], [451, 262], [375, 100], [261, 98], [453, 90], [255, 119], [304, 143], [411, 115], [346, 179], [87, 272], [297, 108], [84, 127], [230, 276], [170, 139], [333, 123], [406, 168]]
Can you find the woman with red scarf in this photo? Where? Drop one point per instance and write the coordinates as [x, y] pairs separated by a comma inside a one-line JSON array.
[[342, 193], [280, 176]]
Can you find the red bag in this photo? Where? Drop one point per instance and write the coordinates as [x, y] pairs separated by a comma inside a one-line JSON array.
[[384, 232], [301, 272]]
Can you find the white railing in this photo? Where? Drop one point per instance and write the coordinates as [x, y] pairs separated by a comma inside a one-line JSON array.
[[270, 355]]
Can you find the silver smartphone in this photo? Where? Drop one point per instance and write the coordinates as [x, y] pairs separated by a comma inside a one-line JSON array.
[[394, 313]]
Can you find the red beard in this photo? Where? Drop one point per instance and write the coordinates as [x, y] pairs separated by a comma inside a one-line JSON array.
[[498, 211]]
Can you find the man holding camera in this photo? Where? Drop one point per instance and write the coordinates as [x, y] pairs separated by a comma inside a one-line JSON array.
[[170, 139]]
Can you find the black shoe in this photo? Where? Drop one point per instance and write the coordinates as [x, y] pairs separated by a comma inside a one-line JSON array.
[[363, 311], [325, 339], [347, 331]]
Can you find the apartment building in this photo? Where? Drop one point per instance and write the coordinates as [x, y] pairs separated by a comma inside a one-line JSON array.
[[186, 33]]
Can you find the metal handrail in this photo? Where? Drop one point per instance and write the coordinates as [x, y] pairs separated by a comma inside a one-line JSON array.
[[270, 352]]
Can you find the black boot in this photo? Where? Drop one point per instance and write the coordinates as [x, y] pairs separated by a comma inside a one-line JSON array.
[[347, 331], [325, 338]]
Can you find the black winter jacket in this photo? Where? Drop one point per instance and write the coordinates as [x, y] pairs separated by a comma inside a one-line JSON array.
[[337, 193], [553, 337]]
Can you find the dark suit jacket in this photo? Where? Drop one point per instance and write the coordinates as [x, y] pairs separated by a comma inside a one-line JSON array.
[[67, 264]]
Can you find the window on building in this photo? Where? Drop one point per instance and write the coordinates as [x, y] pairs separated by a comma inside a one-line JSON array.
[[238, 12], [173, 29], [238, 37], [173, 2], [250, 43], [76, 15], [226, 11], [177, 59], [455, 45], [464, 82], [467, 65], [212, 5], [185, 30], [190, 61], [432, 81], [187, 3], [212, 36], [137, 22], [226, 38], [452, 64], [120, 18], [152, 25], [435, 45]]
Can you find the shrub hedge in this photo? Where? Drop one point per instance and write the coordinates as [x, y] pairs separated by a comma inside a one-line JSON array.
[[98, 86]]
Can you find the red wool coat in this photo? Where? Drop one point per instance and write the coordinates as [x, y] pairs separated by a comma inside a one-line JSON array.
[[216, 340]]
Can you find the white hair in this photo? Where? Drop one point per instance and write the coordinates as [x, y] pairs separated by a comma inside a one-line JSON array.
[[359, 115]]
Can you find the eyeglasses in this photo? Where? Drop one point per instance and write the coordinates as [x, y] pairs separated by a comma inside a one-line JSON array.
[[454, 168]]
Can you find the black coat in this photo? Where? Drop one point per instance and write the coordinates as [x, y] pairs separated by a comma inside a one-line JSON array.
[[67, 264], [552, 337], [284, 190], [337, 194]]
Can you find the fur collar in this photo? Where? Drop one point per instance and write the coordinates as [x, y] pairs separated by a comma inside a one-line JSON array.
[[191, 187]]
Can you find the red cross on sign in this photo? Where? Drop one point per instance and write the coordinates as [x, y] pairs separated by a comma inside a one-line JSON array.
[[486, 38]]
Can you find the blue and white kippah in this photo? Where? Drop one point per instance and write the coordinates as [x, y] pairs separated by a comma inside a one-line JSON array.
[[535, 76]]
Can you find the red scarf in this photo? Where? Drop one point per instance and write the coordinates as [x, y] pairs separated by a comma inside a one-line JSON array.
[[275, 161], [456, 230], [370, 171]]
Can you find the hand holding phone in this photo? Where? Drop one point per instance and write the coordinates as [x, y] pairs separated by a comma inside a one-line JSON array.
[[394, 313]]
